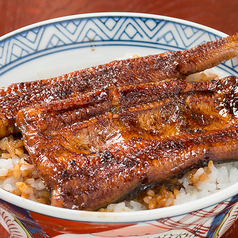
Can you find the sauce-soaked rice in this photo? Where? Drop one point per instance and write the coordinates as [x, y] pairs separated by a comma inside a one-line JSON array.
[[16, 175]]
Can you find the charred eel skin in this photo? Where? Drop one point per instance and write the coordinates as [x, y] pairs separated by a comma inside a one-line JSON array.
[[99, 147], [152, 68]]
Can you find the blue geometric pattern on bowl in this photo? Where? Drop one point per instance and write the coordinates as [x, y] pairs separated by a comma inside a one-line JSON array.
[[96, 31]]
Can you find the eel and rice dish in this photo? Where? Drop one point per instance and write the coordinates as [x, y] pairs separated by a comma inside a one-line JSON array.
[[99, 134]]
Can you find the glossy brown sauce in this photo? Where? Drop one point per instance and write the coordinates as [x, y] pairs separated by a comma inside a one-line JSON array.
[[134, 71], [136, 137]]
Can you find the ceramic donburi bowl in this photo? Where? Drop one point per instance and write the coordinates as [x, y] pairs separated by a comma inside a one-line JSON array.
[[63, 45]]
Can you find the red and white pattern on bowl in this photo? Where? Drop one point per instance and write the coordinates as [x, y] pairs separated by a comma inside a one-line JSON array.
[[199, 223], [9, 227], [228, 221], [194, 224]]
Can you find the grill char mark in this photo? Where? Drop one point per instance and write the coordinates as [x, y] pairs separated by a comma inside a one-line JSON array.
[[139, 134], [152, 68]]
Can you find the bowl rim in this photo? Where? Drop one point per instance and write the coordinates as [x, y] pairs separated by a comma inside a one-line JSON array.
[[117, 217], [111, 14]]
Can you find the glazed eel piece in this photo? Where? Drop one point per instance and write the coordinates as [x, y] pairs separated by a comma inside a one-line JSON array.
[[119, 73], [99, 147]]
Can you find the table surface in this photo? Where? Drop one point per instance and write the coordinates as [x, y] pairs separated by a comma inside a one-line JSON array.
[[218, 14]]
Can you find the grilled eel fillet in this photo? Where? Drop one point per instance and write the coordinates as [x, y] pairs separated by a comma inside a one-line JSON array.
[[99, 147], [147, 69]]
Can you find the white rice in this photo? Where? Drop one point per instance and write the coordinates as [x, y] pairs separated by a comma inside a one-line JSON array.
[[221, 176], [16, 175]]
